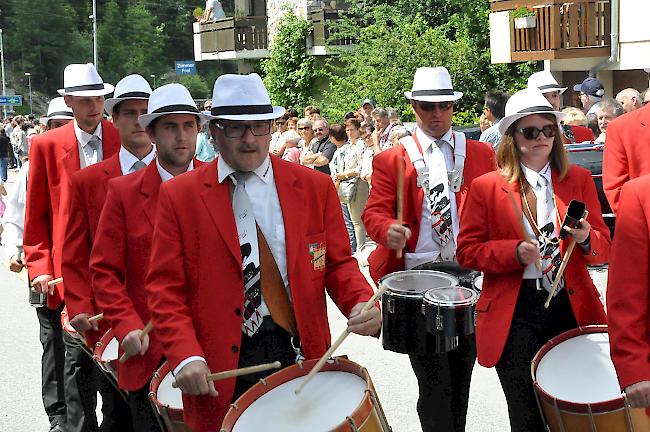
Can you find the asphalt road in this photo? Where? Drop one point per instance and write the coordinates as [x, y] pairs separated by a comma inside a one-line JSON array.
[[390, 372]]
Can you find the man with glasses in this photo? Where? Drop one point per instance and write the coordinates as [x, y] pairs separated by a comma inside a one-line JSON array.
[[243, 250], [591, 93], [322, 150], [439, 166]]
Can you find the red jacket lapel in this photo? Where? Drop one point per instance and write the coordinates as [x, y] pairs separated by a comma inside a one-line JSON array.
[[150, 185]]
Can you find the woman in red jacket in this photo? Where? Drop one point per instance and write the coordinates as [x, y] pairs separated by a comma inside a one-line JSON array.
[[534, 175]]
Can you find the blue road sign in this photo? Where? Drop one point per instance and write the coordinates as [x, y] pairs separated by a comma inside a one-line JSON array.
[[185, 67], [16, 100]]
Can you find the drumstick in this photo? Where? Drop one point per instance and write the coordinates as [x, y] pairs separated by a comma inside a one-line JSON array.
[[317, 367], [400, 198], [238, 372], [563, 265], [55, 281], [145, 331], [97, 317], [520, 218]]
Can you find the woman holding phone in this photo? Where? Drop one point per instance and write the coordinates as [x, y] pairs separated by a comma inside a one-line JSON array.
[[530, 192]]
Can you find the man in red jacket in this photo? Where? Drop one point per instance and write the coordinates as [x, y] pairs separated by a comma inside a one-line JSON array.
[[628, 293], [235, 282], [627, 152], [120, 253], [446, 165], [54, 157], [88, 194]]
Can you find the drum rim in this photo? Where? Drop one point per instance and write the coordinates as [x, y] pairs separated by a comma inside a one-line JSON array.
[[175, 414], [575, 407], [102, 344], [420, 294], [360, 413], [446, 303]]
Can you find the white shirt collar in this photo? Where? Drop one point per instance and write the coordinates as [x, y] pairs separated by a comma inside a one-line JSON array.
[[261, 171], [83, 137], [532, 176], [427, 140], [127, 159], [166, 175]]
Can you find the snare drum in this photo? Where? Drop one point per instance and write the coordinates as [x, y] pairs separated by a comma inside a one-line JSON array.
[[403, 324], [67, 327], [576, 386], [106, 354], [167, 401], [477, 284], [340, 398], [449, 313]]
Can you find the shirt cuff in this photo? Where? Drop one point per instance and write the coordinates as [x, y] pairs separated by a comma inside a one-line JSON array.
[[182, 364]]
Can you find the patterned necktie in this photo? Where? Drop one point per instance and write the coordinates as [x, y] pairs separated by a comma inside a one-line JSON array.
[[441, 222], [247, 230], [137, 166]]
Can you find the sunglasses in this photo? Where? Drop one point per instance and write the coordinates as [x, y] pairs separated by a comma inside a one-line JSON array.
[[533, 132], [432, 106], [319, 130], [303, 128]]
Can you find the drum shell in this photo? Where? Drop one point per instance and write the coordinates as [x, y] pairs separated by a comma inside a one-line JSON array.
[[449, 321], [403, 325], [171, 417]]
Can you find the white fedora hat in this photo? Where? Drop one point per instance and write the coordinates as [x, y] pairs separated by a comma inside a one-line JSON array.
[[83, 80], [545, 82], [130, 87], [432, 84], [170, 99], [242, 97], [57, 110], [526, 102]]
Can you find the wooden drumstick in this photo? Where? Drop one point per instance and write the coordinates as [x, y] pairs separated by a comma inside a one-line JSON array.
[[317, 367], [400, 198], [55, 281], [520, 219], [239, 372], [560, 272], [145, 331], [97, 317]]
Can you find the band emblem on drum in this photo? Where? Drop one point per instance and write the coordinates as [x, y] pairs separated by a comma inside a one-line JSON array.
[[317, 251]]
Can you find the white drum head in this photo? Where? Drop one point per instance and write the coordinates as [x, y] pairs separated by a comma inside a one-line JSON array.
[[167, 395], [323, 403], [417, 282], [111, 351], [450, 296], [579, 370]]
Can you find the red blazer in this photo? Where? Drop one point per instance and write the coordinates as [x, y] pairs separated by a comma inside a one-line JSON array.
[[627, 152], [88, 194], [628, 292], [54, 157], [489, 235], [381, 210], [580, 133], [118, 266], [195, 283]]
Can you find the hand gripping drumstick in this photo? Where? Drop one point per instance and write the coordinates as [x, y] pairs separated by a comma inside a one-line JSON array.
[[520, 219], [55, 281], [238, 372], [145, 331], [400, 198], [560, 272], [97, 317], [317, 367]]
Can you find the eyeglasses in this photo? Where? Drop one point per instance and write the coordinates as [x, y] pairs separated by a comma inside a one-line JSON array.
[[304, 128], [319, 129], [432, 106], [644, 102], [532, 132], [237, 130], [280, 123]]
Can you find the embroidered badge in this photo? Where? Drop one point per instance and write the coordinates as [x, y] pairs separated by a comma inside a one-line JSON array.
[[317, 251]]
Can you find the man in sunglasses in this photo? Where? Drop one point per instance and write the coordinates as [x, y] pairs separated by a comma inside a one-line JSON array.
[[242, 252], [439, 166], [323, 149]]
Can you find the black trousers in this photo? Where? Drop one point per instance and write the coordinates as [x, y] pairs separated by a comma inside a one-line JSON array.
[[83, 379], [443, 382], [270, 343], [142, 413], [532, 326], [52, 364]]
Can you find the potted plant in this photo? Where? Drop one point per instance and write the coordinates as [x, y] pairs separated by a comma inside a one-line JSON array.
[[524, 18]]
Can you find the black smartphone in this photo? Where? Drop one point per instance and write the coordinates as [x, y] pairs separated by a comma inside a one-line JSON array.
[[574, 213]]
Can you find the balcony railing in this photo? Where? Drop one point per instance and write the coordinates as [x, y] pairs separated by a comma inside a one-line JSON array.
[[234, 34], [321, 20], [580, 28]]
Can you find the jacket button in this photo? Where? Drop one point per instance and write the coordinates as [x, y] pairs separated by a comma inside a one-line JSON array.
[[234, 349], [237, 311], [571, 292]]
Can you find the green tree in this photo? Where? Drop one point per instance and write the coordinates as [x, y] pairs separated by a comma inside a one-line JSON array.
[[290, 74], [197, 86]]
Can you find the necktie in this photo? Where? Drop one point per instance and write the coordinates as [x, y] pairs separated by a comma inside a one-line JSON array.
[[92, 150], [137, 166], [441, 221]]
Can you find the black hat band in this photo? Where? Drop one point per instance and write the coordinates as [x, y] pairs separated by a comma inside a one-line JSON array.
[[443, 92], [175, 108], [84, 87], [241, 110]]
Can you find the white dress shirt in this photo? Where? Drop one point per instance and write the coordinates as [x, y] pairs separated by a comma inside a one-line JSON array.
[[13, 221], [166, 175], [83, 138], [127, 159], [426, 249]]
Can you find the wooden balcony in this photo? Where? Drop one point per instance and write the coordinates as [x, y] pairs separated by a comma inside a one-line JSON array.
[[576, 29], [321, 20], [233, 38]]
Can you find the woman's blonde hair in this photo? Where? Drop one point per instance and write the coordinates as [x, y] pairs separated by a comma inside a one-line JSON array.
[[509, 160], [574, 117]]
